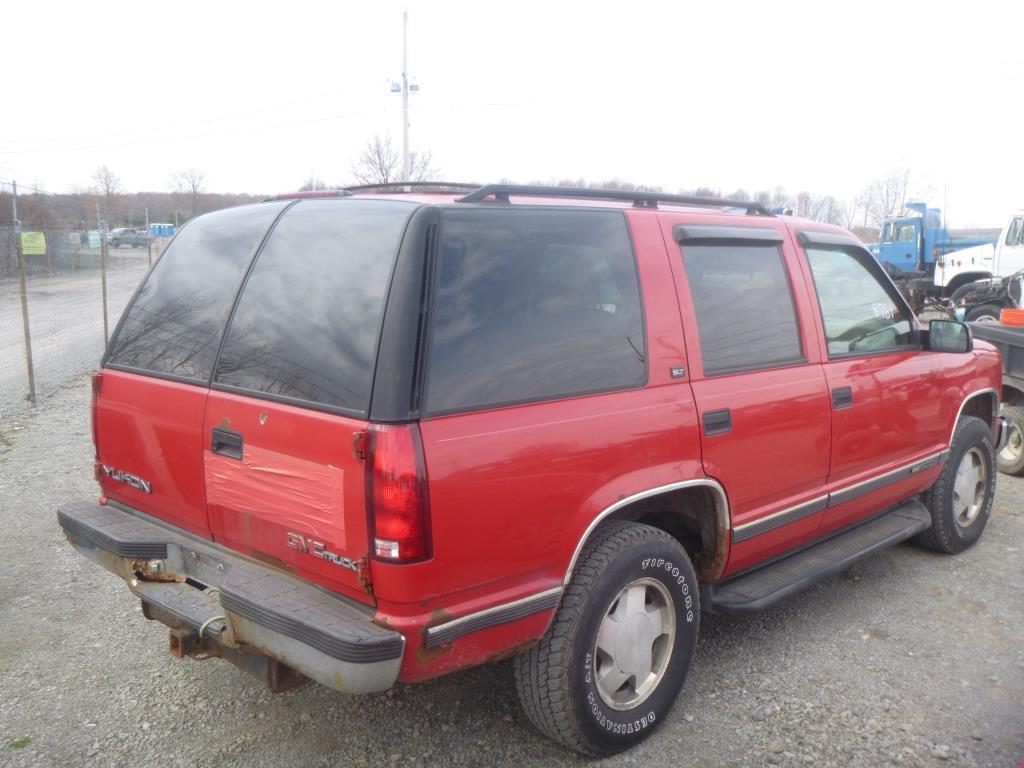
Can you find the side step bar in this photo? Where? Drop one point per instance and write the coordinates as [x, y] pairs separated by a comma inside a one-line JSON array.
[[763, 587]]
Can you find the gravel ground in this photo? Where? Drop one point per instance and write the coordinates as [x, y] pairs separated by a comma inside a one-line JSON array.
[[910, 658]]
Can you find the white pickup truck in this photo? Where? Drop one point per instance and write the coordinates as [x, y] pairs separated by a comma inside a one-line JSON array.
[[1000, 259]]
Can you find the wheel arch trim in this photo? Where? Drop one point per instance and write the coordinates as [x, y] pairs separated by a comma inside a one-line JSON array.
[[717, 492], [977, 393]]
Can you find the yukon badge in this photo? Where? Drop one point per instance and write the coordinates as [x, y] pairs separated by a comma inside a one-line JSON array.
[[120, 476], [315, 548]]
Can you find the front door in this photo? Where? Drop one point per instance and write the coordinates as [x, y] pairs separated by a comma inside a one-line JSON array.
[[887, 412], [757, 382]]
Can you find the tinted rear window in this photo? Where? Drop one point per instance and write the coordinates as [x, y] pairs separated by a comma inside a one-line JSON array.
[[175, 324], [309, 318], [533, 305], [745, 314]]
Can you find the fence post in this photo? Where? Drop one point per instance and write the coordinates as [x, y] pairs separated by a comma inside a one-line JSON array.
[[103, 270], [149, 242], [24, 299]]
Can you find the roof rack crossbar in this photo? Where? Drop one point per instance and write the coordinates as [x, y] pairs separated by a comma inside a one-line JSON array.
[[502, 193]]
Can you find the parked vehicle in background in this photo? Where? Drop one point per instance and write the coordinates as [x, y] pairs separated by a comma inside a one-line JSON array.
[[915, 250], [378, 437], [133, 238], [1009, 340], [984, 300], [984, 262]]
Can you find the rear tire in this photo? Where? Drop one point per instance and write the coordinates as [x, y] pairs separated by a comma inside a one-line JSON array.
[[609, 668], [1011, 459], [983, 313], [960, 501]]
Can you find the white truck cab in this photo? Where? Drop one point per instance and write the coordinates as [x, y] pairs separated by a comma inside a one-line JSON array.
[[1000, 259]]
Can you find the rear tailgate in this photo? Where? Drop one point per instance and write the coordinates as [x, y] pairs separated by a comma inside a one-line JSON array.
[[292, 387], [293, 493]]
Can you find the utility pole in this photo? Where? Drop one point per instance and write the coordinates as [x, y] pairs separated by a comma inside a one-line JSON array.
[[405, 88], [149, 242], [24, 298], [406, 167], [103, 270]]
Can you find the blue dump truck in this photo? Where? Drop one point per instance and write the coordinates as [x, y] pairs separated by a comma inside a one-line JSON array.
[[911, 245]]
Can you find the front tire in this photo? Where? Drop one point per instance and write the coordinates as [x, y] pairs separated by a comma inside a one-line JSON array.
[[960, 501], [609, 668]]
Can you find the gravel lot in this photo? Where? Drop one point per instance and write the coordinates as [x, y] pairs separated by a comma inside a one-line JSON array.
[[910, 658]]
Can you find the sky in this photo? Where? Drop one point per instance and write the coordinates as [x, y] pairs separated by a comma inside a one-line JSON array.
[[821, 96]]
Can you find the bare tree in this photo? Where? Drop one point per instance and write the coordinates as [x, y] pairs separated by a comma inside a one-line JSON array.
[[888, 195], [380, 163], [188, 187], [313, 183], [108, 186]]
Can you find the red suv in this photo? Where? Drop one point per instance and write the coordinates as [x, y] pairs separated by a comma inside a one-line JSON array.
[[380, 436]]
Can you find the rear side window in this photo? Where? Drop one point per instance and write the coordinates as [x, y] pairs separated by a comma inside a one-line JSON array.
[[533, 305], [308, 321], [175, 324], [744, 307], [861, 313]]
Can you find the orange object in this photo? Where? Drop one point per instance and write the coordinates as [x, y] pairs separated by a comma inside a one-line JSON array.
[[1011, 317]]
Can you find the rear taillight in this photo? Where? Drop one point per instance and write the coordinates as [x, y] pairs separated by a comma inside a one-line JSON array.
[[396, 493], [97, 385]]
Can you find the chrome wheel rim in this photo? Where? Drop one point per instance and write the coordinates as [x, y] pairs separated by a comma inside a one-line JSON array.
[[1014, 445], [969, 486], [634, 643]]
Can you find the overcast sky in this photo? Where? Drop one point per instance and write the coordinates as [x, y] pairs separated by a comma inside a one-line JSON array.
[[821, 96]]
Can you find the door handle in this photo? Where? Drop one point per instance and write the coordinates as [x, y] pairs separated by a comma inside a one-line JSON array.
[[842, 397], [717, 422], [226, 443]]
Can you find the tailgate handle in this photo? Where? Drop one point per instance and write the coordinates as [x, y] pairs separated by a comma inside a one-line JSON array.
[[226, 443]]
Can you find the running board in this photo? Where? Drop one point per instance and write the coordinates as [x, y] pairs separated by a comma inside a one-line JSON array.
[[762, 588]]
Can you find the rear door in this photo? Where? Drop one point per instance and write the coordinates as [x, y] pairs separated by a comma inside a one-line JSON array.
[[757, 381], [292, 388], [151, 395]]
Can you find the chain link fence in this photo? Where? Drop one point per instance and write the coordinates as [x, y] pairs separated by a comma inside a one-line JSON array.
[[55, 280]]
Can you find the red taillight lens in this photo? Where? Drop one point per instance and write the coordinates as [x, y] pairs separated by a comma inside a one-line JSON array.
[[97, 386], [396, 493]]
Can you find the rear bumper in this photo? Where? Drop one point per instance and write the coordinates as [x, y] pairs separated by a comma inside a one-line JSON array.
[[246, 607]]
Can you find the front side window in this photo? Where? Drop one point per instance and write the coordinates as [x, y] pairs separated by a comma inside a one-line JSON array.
[[861, 314], [744, 306], [906, 233], [175, 324], [1013, 233], [533, 305], [309, 317]]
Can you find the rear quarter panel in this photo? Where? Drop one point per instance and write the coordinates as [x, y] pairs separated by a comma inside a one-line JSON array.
[[512, 490]]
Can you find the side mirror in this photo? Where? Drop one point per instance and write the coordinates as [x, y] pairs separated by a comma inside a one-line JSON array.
[[949, 336]]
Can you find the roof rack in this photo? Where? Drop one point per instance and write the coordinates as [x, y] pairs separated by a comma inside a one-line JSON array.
[[402, 186], [502, 193]]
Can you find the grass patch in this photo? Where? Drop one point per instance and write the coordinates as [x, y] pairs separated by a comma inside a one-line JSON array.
[[19, 742]]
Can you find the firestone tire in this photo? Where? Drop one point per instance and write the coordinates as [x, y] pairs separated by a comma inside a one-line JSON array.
[[626, 575], [960, 501]]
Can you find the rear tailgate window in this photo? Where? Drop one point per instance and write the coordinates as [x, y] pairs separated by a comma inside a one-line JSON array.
[[308, 322], [175, 323]]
